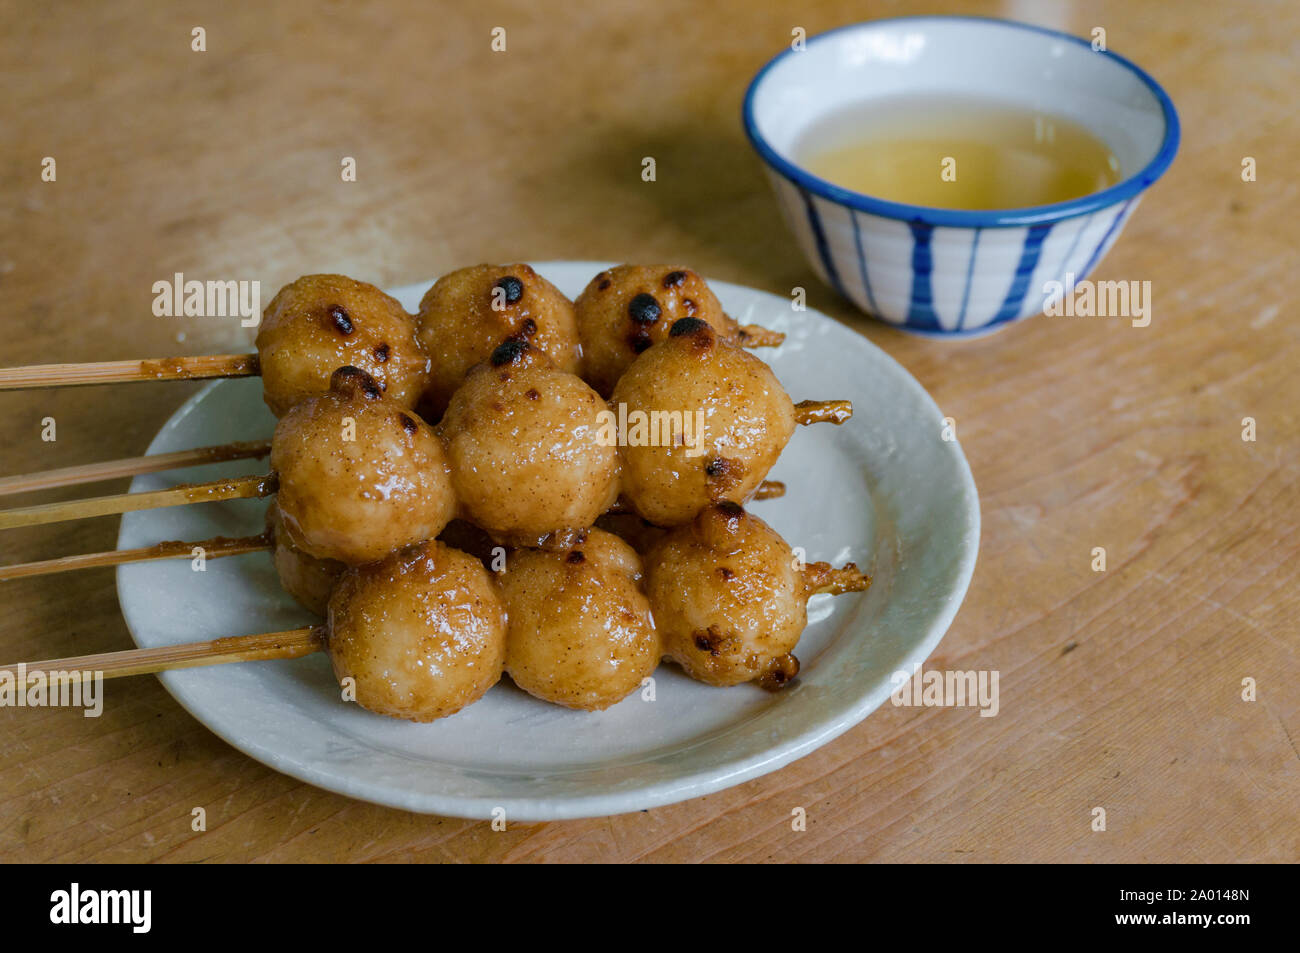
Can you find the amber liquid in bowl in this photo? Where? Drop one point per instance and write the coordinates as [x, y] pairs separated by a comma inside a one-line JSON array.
[[955, 153]]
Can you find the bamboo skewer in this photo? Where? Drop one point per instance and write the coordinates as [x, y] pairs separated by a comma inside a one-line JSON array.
[[825, 578], [822, 411], [213, 548], [769, 490], [290, 643], [219, 546], [755, 335], [239, 488], [133, 466], [118, 372]]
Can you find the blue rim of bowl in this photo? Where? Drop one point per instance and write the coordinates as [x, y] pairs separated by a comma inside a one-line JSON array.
[[961, 218]]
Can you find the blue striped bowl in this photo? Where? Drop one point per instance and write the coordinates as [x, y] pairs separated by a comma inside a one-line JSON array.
[[948, 272]]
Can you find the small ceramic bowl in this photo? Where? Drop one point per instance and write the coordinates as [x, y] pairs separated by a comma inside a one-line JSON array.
[[951, 272]]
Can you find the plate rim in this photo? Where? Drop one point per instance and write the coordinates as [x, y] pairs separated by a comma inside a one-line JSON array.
[[605, 803]]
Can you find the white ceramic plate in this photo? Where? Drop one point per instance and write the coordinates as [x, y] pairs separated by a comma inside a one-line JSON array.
[[884, 490]]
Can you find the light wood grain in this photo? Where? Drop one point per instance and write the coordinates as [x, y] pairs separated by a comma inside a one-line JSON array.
[[1119, 689]]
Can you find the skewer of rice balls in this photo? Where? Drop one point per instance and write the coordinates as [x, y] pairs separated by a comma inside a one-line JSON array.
[[319, 323], [366, 526]]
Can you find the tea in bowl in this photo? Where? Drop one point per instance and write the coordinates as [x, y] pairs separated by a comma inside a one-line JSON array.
[[950, 175]]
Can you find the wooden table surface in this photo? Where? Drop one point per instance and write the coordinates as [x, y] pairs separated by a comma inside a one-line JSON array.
[[1121, 689]]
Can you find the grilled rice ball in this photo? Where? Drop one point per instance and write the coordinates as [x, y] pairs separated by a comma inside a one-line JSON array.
[[308, 579], [320, 323], [469, 312], [748, 420], [580, 632], [422, 632], [626, 309], [730, 599], [527, 450], [359, 475]]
